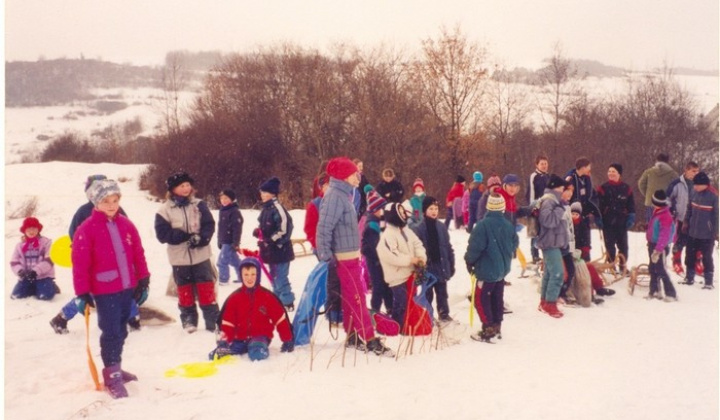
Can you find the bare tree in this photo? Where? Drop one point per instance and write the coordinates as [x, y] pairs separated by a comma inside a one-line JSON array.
[[172, 81], [508, 108]]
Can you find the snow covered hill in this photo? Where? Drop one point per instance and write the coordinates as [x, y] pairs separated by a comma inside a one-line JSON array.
[[627, 358]]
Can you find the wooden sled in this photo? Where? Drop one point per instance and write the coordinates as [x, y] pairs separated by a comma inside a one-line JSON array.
[[639, 276], [607, 269], [305, 252]]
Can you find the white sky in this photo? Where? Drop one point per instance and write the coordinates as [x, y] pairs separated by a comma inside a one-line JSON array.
[[636, 34]]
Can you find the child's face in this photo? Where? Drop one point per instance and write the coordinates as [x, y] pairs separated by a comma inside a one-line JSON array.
[[575, 215], [567, 194], [31, 232], [359, 166], [353, 179], [585, 170], [225, 200], [379, 213], [266, 196], [183, 190], [109, 205], [388, 178], [542, 165], [699, 188], [419, 190], [613, 175], [512, 189], [249, 276], [432, 211]]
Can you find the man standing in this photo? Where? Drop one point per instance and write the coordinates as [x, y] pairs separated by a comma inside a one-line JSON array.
[[657, 177]]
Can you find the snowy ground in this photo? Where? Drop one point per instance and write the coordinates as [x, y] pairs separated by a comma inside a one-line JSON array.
[[628, 358]]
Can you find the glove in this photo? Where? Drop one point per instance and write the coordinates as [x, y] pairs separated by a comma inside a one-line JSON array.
[[287, 347], [630, 221], [195, 240], [31, 275], [256, 232], [178, 236], [469, 267], [598, 222], [86, 299], [141, 291], [655, 256]]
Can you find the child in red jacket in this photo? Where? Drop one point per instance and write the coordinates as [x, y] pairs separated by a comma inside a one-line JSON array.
[[249, 317]]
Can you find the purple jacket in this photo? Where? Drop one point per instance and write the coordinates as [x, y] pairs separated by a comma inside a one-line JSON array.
[[107, 255], [34, 258], [660, 228]]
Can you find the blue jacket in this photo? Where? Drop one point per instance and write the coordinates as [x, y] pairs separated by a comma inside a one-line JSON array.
[[702, 216], [230, 225], [276, 226], [584, 193], [337, 230], [491, 247], [445, 268]]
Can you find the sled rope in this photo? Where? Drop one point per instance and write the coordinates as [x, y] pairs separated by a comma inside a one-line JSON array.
[[91, 362]]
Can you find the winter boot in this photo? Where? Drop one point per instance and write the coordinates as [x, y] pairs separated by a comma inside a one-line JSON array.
[[353, 341], [112, 375], [604, 291], [59, 324], [541, 306], [189, 318], [677, 263], [552, 310], [210, 314], [134, 323], [127, 376], [375, 345]]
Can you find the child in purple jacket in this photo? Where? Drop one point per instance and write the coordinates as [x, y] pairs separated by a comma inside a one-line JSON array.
[[109, 271], [31, 263], [660, 231]]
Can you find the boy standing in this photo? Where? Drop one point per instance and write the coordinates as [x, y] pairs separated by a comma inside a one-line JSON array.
[[702, 229], [229, 233], [536, 188], [552, 239]]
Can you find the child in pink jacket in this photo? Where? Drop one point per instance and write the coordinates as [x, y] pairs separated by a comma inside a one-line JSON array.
[[109, 271], [31, 263]]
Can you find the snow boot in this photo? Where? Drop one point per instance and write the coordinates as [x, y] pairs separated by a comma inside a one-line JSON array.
[[541, 306], [677, 263], [354, 342], [59, 324], [189, 318], [708, 286], [210, 315], [604, 291], [552, 310], [127, 376], [375, 345], [112, 376]]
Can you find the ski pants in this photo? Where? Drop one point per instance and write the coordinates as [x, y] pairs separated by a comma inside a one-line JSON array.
[[489, 299], [113, 312], [658, 274], [356, 316], [616, 237], [707, 248]]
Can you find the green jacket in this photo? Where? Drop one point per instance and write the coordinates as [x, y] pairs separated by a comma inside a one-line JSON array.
[[491, 247], [657, 177]]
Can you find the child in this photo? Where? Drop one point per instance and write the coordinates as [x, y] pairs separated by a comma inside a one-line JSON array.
[[185, 223], [249, 316], [31, 263], [494, 183], [381, 293], [274, 234], [390, 188], [440, 255], [476, 191], [229, 233], [702, 229], [660, 231], [68, 312], [536, 188], [312, 213], [109, 271], [552, 239], [399, 251], [455, 192], [491, 246], [584, 193], [415, 202]]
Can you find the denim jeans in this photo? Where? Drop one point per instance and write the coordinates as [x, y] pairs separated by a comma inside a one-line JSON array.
[[228, 256]]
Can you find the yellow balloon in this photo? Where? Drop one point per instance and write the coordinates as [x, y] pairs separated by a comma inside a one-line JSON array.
[[60, 251]]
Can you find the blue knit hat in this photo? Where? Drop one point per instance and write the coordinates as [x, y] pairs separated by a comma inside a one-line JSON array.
[[511, 179], [271, 186], [477, 177]]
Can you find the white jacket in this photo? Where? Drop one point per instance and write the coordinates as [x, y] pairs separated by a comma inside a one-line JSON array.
[[396, 249]]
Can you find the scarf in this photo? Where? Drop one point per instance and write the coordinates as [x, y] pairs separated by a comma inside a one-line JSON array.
[[31, 243], [433, 249]]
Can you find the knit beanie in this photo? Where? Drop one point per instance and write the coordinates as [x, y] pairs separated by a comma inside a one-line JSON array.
[[459, 179], [494, 180], [429, 201], [555, 181], [511, 179], [341, 168], [271, 186], [701, 179], [229, 194], [618, 167], [659, 198], [576, 207], [367, 188], [101, 189], [178, 178], [418, 183], [93, 178], [374, 201], [395, 214], [31, 222], [495, 202], [477, 177]]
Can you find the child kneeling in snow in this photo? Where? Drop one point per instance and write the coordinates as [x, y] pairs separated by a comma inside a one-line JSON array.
[[249, 316], [31, 263]]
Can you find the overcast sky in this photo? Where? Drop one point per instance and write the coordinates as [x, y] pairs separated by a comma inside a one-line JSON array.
[[635, 34]]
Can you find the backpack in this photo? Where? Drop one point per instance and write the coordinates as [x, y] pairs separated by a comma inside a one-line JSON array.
[[673, 198]]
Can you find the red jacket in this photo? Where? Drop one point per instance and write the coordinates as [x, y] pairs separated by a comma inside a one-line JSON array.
[[312, 215], [456, 191], [257, 312]]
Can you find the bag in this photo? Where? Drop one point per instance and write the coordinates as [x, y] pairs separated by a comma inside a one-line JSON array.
[[418, 315], [581, 287]]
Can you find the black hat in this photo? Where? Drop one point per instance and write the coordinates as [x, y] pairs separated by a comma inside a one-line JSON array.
[[178, 178], [229, 194], [459, 178], [555, 181], [271, 186], [617, 166], [701, 179], [659, 198], [395, 214], [427, 202]]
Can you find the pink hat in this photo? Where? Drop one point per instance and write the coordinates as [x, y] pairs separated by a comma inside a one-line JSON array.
[[418, 183], [31, 222]]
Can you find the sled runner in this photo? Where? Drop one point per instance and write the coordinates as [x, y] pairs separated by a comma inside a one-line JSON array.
[[639, 276], [305, 252]]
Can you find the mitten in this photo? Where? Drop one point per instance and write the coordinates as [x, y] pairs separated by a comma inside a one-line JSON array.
[[469, 267], [22, 273], [141, 291], [655, 256], [256, 232], [287, 347], [81, 301], [31, 275], [630, 221], [195, 240]]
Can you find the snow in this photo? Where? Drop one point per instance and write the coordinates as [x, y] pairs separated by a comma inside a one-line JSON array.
[[627, 358]]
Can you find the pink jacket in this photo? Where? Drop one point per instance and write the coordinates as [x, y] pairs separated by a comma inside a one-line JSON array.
[[34, 258], [107, 255]]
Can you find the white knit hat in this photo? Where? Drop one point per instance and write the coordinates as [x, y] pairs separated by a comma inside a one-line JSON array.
[[101, 189]]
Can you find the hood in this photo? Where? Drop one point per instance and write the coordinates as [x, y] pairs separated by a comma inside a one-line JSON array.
[[251, 261]]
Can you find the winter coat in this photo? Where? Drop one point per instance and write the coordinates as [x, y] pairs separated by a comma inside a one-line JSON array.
[[312, 215], [553, 228], [657, 177], [702, 218], [276, 227], [473, 202], [415, 203], [363, 198], [536, 185], [176, 221], [107, 255], [249, 313], [337, 231], [456, 191], [370, 240], [396, 249], [660, 229], [491, 247], [679, 192], [584, 193], [445, 268], [616, 203], [36, 257], [230, 225], [82, 213], [391, 191]]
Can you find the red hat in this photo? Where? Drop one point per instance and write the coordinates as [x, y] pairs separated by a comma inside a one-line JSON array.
[[418, 183], [341, 168], [31, 222]]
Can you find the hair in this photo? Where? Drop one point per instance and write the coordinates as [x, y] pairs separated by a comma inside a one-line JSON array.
[[323, 166], [388, 172], [692, 165], [540, 157], [663, 157], [581, 162], [356, 161]]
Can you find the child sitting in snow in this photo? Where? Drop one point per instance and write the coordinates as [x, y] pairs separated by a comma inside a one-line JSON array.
[[249, 316], [31, 263]]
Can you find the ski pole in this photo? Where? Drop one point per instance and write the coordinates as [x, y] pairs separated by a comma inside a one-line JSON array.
[[91, 362]]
